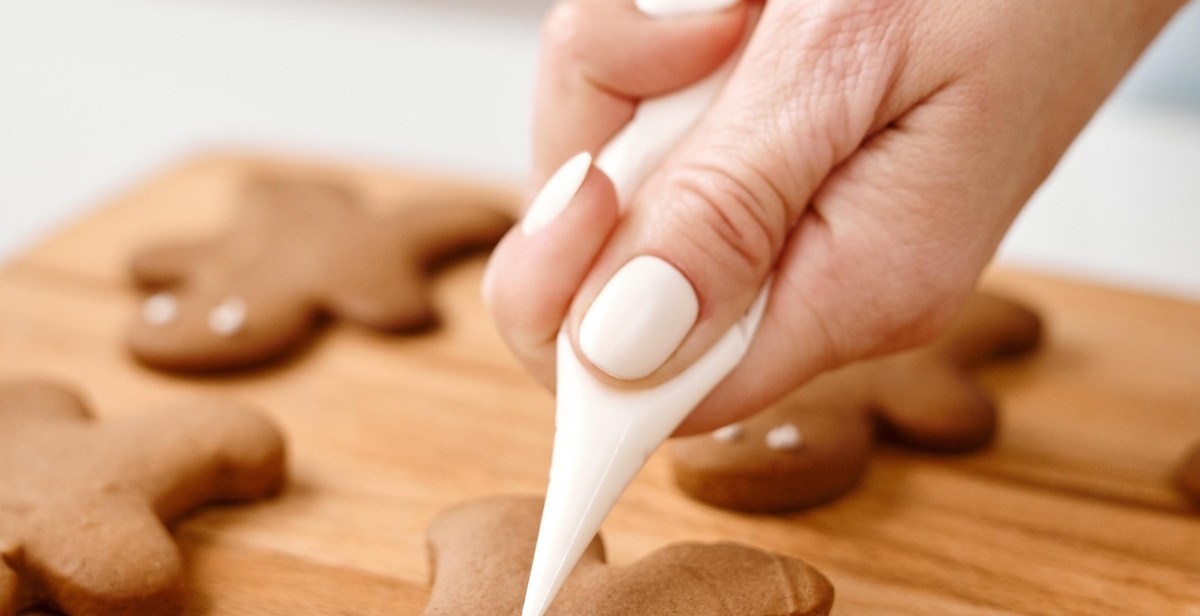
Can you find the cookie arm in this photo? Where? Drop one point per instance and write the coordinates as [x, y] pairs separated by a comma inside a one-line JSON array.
[[42, 398], [928, 403], [183, 457], [402, 304], [927, 397], [446, 230], [989, 327], [166, 264], [423, 236]]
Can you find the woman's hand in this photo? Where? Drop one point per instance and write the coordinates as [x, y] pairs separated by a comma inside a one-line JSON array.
[[871, 154]]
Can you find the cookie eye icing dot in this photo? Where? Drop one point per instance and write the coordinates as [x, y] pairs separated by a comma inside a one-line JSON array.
[[160, 308], [785, 436], [228, 318], [729, 433]]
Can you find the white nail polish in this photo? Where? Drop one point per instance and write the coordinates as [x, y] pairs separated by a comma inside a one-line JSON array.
[[557, 193], [639, 318], [678, 8]]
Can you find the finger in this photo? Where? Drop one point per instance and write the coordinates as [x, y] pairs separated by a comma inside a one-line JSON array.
[[535, 271], [709, 223], [599, 57]]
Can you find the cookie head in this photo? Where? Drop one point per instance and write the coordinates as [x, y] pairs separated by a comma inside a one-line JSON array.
[[781, 459], [813, 445], [482, 552], [298, 252]]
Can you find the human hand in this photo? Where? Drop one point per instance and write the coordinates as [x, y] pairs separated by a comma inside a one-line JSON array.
[[870, 154]]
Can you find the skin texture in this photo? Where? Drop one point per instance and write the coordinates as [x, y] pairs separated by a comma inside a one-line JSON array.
[[84, 504], [924, 398], [870, 153], [481, 553], [299, 250]]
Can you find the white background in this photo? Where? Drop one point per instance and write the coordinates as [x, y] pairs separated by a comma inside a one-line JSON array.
[[95, 96]]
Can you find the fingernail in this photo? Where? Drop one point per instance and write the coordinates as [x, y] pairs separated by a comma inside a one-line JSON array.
[[557, 193], [639, 318], [679, 8]]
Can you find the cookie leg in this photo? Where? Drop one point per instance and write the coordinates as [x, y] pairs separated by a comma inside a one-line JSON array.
[[205, 451], [166, 264], [9, 585], [114, 559]]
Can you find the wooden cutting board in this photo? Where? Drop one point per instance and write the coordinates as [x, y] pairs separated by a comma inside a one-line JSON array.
[[1070, 512]]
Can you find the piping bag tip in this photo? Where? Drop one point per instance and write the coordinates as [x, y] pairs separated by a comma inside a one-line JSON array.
[[603, 437]]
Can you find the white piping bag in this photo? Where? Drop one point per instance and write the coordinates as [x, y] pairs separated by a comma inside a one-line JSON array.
[[604, 435]]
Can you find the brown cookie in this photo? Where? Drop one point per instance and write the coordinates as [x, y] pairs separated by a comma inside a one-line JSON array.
[[83, 502], [1188, 475], [481, 553], [813, 445], [297, 250]]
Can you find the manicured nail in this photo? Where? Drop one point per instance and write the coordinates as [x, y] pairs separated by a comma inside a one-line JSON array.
[[639, 318], [557, 193], [679, 8]]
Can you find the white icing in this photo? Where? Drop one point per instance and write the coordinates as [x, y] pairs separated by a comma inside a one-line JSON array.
[[228, 318], [604, 434], [729, 433], [786, 436], [160, 308]]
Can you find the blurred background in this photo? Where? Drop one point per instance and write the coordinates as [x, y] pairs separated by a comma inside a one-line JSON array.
[[97, 96]]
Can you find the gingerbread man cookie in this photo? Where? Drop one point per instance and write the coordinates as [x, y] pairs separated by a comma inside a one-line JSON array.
[[813, 445], [298, 250], [83, 502], [482, 551], [1188, 476]]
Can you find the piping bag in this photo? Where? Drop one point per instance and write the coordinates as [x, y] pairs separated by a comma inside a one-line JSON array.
[[603, 434]]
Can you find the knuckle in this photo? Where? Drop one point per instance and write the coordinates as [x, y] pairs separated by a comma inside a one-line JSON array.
[[740, 223], [849, 52]]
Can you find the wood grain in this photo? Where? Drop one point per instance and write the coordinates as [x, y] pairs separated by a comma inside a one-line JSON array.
[[1070, 512]]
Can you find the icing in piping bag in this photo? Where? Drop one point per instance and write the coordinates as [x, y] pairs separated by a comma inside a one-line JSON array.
[[603, 434]]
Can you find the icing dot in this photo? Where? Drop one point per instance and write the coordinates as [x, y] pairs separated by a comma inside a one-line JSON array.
[[729, 433], [786, 436], [228, 318], [160, 308]]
